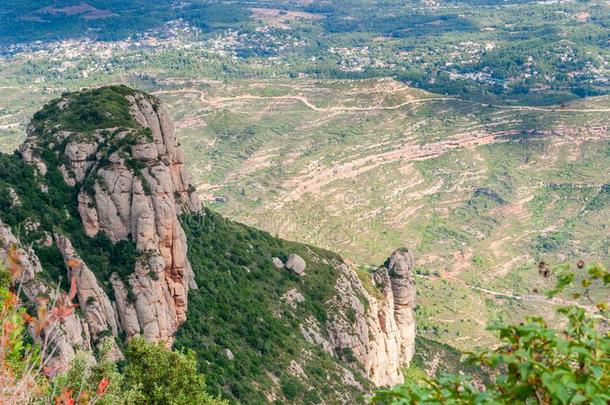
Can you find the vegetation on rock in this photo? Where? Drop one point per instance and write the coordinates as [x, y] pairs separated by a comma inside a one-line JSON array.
[[163, 376], [243, 324], [150, 373], [56, 211]]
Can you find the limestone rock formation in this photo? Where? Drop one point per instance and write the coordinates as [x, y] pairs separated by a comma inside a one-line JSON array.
[[100, 316], [376, 328], [132, 186], [293, 297], [126, 171], [277, 263], [66, 336], [228, 354], [400, 269], [296, 264]]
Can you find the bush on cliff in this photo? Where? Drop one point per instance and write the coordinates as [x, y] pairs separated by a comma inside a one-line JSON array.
[[150, 374], [163, 376]]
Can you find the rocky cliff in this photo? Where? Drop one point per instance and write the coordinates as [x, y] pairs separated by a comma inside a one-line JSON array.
[[128, 171], [70, 335], [377, 325], [96, 194]]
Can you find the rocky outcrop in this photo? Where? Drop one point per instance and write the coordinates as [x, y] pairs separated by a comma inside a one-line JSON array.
[[15, 200], [374, 328], [132, 186], [293, 297], [400, 269], [371, 335], [277, 263], [64, 337], [127, 171], [27, 154], [296, 264], [99, 313], [128, 316], [160, 306]]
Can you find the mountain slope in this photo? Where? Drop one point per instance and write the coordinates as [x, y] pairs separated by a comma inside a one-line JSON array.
[[98, 196], [244, 307]]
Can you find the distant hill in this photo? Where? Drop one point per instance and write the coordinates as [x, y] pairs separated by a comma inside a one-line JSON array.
[[519, 51]]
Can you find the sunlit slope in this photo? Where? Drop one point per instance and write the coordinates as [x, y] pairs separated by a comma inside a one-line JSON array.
[[480, 191]]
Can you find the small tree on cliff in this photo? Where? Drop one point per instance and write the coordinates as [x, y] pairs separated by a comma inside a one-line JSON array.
[[164, 376], [536, 363]]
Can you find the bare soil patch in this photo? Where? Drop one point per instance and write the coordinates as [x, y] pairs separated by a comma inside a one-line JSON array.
[[279, 18]]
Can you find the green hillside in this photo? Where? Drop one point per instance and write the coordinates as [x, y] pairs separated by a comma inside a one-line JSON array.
[[474, 132], [239, 306], [481, 192]]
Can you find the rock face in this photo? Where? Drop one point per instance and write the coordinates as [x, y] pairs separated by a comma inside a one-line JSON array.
[[296, 264], [400, 269], [132, 186], [376, 326], [127, 170], [100, 316], [143, 205], [277, 263], [65, 337]]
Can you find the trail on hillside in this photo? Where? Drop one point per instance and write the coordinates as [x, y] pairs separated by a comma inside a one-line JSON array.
[[313, 180], [313, 107], [542, 109], [216, 101]]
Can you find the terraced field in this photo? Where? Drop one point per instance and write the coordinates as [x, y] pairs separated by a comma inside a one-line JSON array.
[[481, 192]]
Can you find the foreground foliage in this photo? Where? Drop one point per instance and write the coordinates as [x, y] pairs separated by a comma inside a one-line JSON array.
[[164, 377], [535, 363]]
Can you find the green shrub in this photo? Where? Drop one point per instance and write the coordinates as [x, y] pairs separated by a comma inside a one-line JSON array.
[[238, 305], [291, 388], [163, 376]]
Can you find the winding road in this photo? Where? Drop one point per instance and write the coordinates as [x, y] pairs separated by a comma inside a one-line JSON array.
[[222, 100]]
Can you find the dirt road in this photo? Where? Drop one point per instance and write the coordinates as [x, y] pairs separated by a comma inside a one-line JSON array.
[[217, 101]]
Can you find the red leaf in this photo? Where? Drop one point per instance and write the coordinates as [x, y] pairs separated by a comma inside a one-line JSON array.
[[65, 398], [73, 288], [101, 388], [27, 318]]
